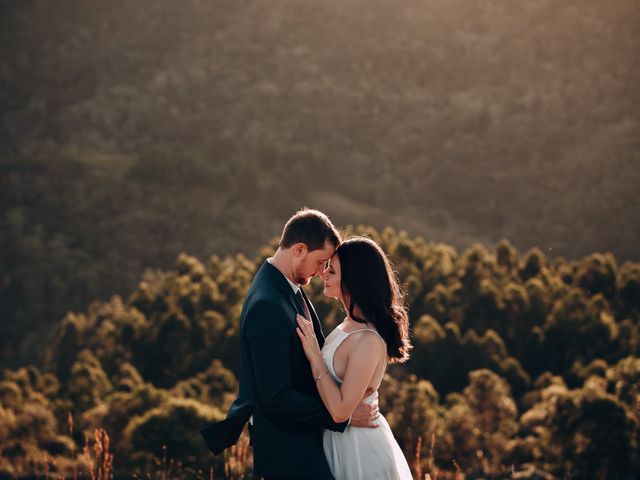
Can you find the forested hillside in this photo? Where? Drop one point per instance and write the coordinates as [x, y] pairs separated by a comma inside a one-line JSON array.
[[130, 131], [522, 363]]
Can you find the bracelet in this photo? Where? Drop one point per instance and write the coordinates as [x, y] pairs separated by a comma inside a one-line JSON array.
[[320, 376]]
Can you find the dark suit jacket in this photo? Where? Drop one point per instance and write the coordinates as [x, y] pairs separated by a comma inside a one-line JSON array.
[[276, 385]]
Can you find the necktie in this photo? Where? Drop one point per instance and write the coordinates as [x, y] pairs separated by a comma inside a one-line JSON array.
[[303, 304]]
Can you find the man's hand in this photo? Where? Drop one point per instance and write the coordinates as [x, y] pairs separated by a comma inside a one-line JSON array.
[[365, 415]]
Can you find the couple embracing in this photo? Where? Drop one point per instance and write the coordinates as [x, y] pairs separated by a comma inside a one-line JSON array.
[[311, 402]]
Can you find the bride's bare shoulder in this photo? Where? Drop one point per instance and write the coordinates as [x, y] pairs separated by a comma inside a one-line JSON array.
[[368, 340]]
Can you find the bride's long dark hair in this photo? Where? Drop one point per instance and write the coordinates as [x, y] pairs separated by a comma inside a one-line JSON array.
[[369, 282]]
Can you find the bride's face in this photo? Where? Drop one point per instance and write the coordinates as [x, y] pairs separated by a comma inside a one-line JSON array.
[[332, 279]]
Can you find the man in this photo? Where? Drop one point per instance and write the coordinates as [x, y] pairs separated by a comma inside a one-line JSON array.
[[277, 389]]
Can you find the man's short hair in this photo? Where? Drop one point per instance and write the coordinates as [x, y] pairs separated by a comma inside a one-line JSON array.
[[311, 227]]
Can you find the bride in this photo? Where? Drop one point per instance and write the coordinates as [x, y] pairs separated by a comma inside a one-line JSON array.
[[353, 360]]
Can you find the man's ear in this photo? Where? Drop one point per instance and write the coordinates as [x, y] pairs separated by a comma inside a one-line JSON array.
[[299, 249]]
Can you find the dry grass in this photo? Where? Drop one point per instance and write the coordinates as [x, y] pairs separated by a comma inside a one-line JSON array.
[[96, 462], [426, 469], [237, 460]]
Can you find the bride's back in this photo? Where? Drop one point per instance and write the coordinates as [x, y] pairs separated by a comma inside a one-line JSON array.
[[349, 336]]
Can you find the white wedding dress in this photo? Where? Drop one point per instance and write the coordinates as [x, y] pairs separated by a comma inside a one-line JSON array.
[[361, 453]]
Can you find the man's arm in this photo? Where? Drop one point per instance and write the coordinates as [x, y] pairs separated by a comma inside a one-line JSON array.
[[268, 337]]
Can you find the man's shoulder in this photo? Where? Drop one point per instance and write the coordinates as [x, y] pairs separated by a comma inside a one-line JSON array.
[[266, 278], [265, 311], [268, 284], [265, 298], [265, 295]]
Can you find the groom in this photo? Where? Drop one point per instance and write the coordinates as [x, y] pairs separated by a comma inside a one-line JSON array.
[[278, 395]]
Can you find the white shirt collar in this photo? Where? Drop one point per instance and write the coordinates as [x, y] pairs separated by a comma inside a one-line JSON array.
[[294, 286]]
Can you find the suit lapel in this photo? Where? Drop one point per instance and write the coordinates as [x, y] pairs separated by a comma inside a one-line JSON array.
[[283, 285]]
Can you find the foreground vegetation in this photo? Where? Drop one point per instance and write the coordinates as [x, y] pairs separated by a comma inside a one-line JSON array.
[[521, 363]]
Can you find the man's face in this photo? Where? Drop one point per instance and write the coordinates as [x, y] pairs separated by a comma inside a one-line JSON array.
[[310, 264]]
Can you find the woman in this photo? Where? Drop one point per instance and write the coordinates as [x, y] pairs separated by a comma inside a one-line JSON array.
[[353, 360]]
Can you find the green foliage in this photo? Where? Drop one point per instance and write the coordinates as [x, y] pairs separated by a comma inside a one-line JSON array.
[[584, 432], [116, 411], [597, 274], [628, 280], [29, 436], [625, 379], [489, 398], [513, 364], [412, 408], [579, 328], [174, 425], [88, 383]]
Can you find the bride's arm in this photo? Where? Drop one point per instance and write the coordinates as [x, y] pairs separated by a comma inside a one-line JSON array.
[[342, 400]]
